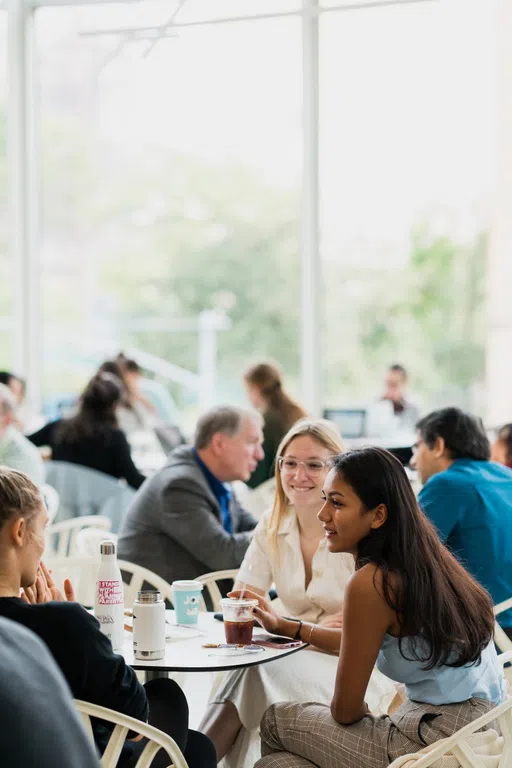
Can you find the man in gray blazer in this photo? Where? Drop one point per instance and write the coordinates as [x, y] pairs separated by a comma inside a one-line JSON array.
[[185, 520]]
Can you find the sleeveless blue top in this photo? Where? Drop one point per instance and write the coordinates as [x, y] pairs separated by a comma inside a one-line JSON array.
[[443, 684]]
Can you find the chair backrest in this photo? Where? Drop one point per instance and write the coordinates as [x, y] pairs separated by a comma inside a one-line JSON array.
[[82, 572], [137, 578], [157, 740], [503, 642], [51, 499], [88, 540], [61, 537], [210, 581], [85, 491], [466, 748]]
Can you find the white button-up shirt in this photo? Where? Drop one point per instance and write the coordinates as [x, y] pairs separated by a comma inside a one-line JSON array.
[[284, 567]]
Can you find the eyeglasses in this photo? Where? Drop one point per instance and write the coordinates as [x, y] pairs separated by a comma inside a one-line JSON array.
[[290, 466]]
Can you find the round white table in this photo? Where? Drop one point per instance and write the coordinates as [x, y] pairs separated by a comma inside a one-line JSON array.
[[184, 650]]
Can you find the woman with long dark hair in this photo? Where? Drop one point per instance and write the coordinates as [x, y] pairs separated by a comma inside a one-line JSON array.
[[92, 437], [410, 608], [280, 412], [289, 550]]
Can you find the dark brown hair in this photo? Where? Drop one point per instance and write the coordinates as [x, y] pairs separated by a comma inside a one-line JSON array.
[[115, 369], [96, 415], [434, 597], [19, 496], [463, 434], [128, 364], [267, 378]]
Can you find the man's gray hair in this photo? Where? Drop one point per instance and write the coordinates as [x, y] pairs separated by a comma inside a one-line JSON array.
[[223, 418], [7, 400]]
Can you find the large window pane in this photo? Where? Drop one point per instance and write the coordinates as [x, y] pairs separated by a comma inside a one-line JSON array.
[[6, 268], [406, 139], [171, 185]]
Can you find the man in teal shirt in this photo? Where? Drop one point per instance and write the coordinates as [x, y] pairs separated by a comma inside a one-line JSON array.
[[468, 498]]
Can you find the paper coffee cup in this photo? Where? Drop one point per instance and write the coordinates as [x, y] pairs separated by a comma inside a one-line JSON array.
[[187, 601]]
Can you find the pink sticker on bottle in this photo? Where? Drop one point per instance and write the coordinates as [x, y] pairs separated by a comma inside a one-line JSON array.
[[110, 592]]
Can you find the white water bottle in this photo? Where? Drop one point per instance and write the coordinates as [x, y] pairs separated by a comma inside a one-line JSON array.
[[149, 625], [109, 603]]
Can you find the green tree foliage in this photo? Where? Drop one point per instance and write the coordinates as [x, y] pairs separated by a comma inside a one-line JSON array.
[[428, 315], [166, 235]]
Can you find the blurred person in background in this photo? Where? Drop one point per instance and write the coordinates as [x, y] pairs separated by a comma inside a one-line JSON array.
[[468, 498], [131, 416], [150, 392], [264, 386], [15, 450], [289, 550], [501, 450], [393, 413], [15, 384], [92, 438], [135, 413], [186, 520], [18, 388]]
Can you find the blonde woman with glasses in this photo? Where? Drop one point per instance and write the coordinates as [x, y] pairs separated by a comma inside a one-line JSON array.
[[289, 551]]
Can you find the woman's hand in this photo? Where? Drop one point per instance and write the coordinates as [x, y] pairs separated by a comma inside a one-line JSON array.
[[333, 620], [37, 592], [69, 592], [264, 613], [44, 590]]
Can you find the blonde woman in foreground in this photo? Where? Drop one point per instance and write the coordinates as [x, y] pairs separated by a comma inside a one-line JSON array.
[[289, 550]]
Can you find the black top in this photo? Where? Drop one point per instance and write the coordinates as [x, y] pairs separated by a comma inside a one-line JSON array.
[[109, 453], [85, 656], [36, 701], [274, 429]]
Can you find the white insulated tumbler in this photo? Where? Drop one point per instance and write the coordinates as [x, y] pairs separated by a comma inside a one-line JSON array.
[[149, 625]]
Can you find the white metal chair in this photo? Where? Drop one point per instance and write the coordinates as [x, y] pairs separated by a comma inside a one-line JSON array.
[[51, 499], [88, 540], [157, 740], [61, 537], [82, 572], [140, 578], [85, 491], [210, 582], [465, 749]]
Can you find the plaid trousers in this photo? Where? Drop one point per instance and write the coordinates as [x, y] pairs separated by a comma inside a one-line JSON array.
[[306, 735]]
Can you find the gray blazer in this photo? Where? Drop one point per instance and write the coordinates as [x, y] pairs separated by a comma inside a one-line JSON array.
[[174, 524]]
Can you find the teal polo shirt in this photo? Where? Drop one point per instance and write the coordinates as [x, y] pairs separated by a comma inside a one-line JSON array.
[[470, 503]]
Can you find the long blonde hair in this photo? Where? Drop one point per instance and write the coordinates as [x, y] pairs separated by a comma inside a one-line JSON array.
[[325, 433]]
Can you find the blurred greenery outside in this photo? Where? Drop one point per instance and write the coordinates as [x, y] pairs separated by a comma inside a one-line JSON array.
[[166, 235]]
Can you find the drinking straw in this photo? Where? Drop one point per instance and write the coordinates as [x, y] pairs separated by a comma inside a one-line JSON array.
[[244, 584]]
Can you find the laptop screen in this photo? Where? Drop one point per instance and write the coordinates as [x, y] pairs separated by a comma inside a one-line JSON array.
[[351, 422]]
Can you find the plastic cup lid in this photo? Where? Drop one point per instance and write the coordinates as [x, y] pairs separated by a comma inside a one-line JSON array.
[[187, 585], [236, 602]]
